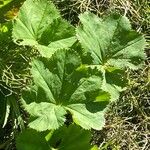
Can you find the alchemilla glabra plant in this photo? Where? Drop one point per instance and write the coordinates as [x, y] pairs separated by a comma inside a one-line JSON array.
[[78, 72]]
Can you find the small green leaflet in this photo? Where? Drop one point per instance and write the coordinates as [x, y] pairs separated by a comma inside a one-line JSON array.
[[59, 88], [40, 25], [65, 138]]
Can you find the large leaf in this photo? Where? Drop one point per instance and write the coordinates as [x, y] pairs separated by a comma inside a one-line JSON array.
[[71, 138], [65, 138], [39, 24], [110, 43], [59, 88], [31, 140]]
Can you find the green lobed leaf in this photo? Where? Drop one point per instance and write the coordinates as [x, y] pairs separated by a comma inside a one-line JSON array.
[[65, 138], [39, 24], [71, 138], [59, 88], [110, 43], [31, 140]]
